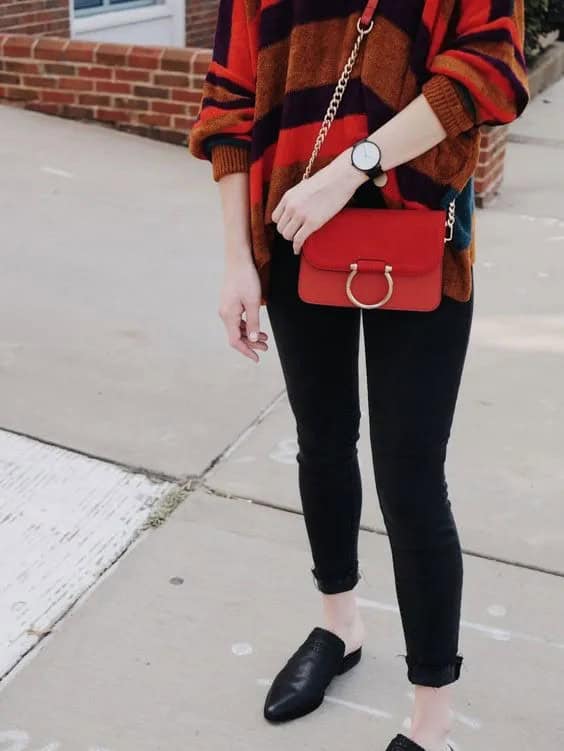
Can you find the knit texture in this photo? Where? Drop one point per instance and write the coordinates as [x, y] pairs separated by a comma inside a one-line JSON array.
[[274, 67]]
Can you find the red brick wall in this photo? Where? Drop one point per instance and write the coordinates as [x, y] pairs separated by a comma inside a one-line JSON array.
[[153, 91], [201, 19], [489, 172], [50, 17]]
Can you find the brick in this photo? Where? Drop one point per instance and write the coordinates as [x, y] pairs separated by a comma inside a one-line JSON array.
[[173, 136], [186, 95], [177, 59], [151, 92], [94, 71], [18, 45], [12, 78], [40, 81], [48, 48], [173, 108], [128, 74], [76, 84], [77, 113], [57, 97], [182, 123], [48, 109], [171, 79], [94, 100], [113, 115], [19, 66], [60, 69], [197, 82], [13, 92], [200, 66], [155, 119], [111, 54], [131, 104], [144, 57], [113, 87], [81, 52]]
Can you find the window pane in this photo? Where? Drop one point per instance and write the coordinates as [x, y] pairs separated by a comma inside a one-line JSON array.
[[81, 4]]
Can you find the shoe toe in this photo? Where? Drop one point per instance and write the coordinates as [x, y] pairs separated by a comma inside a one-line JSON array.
[[283, 705]]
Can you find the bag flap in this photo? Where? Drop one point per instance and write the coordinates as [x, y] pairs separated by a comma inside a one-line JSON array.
[[409, 240]]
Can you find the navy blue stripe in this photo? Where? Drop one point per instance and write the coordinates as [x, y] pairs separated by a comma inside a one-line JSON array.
[[223, 32], [278, 20], [211, 141], [414, 184], [501, 8], [419, 53], [228, 85], [492, 35], [232, 104], [521, 94], [309, 106]]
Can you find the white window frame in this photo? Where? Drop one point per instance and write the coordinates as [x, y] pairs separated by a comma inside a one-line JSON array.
[[84, 24], [108, 7]]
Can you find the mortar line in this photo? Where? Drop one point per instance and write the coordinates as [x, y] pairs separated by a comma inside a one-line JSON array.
[[375, 530]]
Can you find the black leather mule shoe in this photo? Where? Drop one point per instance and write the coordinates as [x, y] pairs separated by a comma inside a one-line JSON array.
[[300, 686], [402, 743]]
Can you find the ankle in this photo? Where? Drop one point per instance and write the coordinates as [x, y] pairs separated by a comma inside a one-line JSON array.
[[431, 733]]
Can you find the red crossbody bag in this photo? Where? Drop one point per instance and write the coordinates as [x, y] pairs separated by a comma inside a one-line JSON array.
[[373, 257]]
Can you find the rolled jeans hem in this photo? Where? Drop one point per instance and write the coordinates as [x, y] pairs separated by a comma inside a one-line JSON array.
[[335, 584], [424, 674]]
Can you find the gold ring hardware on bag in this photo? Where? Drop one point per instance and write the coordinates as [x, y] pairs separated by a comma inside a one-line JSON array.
[[383, 301]]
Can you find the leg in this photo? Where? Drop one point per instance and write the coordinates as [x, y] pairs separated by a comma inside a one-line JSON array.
[[318, 349], [414, 366]]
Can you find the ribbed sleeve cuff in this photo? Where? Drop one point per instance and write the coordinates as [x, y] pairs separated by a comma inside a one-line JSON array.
[[227, 158], [447, 103]]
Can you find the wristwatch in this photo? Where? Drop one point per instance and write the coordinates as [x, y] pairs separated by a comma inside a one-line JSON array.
[[366, 156]]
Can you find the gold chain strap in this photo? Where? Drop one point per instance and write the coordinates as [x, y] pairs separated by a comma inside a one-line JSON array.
[[334, 106], [337, 96]]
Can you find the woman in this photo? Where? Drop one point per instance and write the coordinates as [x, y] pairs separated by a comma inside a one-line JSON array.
[[428, 74]]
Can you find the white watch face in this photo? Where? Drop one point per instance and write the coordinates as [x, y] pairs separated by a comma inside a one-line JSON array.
[[366, 155]]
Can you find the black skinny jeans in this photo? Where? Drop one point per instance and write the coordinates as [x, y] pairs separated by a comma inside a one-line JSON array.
[[414, 363]]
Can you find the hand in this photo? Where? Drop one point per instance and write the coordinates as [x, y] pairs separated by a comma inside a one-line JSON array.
[[308, 205], [240, 295]]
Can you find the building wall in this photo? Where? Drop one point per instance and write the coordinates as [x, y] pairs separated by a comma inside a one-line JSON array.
[[152, 91], [201, 18], [49, 17]]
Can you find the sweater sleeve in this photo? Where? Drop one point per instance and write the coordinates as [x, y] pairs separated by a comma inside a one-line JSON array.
[[484, 64], [222, 130]]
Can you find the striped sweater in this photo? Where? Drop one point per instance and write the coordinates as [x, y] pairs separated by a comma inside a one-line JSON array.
[[274, 67]]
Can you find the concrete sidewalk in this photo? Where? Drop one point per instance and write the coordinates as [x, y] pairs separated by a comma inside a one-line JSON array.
[[110, 346]]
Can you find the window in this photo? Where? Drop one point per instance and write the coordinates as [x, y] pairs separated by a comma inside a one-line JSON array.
[[86, 7]]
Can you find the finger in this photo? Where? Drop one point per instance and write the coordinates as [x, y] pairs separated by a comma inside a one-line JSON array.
[[278, 211], [241, 347], [257, 345], [263, 336], [252, 316], [292, 227], [235, 339], [301, 236]]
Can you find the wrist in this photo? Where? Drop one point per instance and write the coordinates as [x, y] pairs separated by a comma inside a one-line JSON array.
[[347, 172], [237, 252]]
